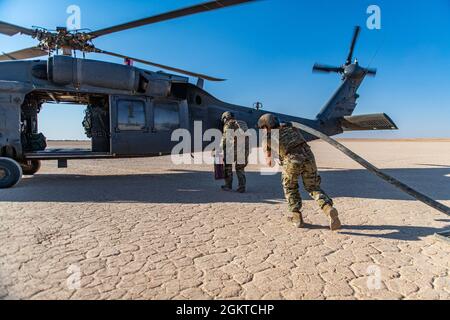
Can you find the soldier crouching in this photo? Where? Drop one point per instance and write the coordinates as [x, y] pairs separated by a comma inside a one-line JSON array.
[[297, 161]]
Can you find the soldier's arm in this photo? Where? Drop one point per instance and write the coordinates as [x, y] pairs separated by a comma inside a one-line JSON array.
[[223, 143]]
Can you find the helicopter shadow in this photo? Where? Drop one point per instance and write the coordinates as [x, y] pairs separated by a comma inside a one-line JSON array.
[[193, 187]]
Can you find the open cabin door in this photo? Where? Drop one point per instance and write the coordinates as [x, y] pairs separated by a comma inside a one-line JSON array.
[[141, 126]]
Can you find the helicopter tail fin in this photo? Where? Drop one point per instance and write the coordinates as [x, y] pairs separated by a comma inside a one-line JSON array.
[[343, 102]]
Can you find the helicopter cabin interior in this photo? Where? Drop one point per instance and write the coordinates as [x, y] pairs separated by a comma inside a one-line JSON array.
[[117, 125]]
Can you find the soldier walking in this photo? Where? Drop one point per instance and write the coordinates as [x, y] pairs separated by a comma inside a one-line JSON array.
[[236, 151], [297, 161]]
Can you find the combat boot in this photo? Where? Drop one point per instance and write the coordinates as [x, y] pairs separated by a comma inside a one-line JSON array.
[[297, 220], [227, 188], [332, 213], [241, 190]]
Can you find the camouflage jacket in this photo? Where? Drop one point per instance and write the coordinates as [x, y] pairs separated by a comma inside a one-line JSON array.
[[239, 141], [291, 144]]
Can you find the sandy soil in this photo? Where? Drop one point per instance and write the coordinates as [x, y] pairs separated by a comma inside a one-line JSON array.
[[146, 229]]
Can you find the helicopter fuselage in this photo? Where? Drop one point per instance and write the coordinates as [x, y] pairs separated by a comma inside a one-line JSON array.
[[139, 109]]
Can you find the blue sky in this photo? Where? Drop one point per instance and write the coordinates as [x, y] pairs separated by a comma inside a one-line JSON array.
[[266, 51]]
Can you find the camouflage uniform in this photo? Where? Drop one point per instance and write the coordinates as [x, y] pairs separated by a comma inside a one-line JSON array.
[[298, 161], [240, 163]]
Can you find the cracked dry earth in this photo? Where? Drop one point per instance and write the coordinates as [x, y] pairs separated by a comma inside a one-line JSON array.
[[145, 229]]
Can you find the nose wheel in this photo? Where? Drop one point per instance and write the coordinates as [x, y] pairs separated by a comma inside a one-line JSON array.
[[10, 173]]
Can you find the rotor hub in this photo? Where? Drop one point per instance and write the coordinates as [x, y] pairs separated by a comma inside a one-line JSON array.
[[353, 70], [64, 39]]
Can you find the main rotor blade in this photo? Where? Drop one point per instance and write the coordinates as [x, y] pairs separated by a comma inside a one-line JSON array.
[[352, 46], [203, 7], [185, 72], [327, 69], [12, 30], [28, 53]]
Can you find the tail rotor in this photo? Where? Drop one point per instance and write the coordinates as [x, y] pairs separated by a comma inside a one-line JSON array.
[[356, 34], [350, 67]]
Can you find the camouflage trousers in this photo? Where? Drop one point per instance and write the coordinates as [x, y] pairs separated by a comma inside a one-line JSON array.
[[306, 169], [240, 173]]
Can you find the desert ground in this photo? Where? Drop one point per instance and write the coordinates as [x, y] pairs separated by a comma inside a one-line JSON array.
[[147, 229]]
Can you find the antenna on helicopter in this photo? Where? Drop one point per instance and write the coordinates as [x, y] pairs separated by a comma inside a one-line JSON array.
[[349, 68], [258, 106]]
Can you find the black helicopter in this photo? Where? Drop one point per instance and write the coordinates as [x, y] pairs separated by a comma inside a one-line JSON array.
[[132, 112]]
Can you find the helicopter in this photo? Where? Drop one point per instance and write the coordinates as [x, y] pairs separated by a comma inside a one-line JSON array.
[[132, 112]]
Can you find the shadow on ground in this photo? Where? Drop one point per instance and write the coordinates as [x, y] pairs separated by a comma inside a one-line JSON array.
[[405, 233], [187, 187]]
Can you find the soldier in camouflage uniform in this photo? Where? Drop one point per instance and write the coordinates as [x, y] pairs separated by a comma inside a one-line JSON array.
[[239, 157], [297, 161]]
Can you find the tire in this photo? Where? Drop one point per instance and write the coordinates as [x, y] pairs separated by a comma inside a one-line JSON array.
[[10, 173], [31, 167]]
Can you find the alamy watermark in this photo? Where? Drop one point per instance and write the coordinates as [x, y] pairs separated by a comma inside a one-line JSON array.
[[374, 280], [374, 19], [233, 146], [74, 279], [74, 20]]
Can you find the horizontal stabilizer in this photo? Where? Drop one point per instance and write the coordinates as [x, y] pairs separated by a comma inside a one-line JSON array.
[[368, 122]]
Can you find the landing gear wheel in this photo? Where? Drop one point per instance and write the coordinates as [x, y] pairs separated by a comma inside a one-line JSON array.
[[31, 167], [10, 173]]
